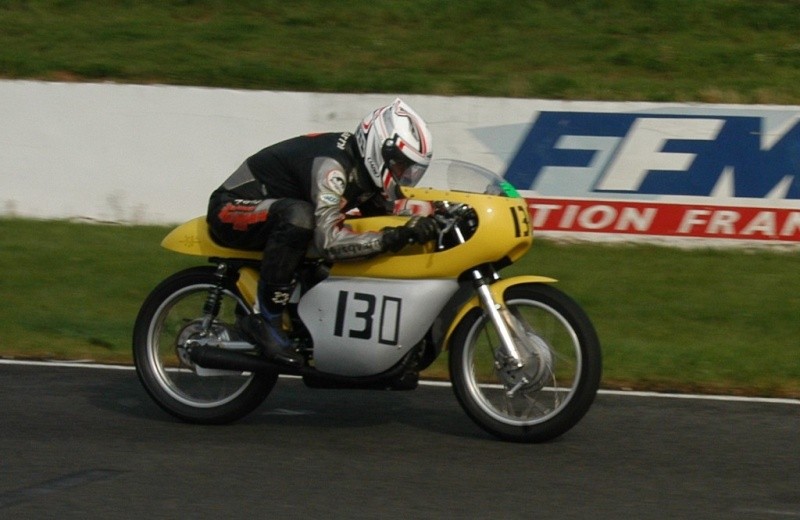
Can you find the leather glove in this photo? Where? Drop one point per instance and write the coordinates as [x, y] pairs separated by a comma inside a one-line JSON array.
[[424, 228], [417, 230], [396, 238]]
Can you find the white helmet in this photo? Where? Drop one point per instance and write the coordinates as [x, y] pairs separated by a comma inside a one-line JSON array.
[[395, 145]]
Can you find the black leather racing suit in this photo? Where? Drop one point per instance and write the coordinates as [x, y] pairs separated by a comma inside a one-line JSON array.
[[295, 192]]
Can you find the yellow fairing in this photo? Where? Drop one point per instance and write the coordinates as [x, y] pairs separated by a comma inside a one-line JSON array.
[[498, 290], [504, 231], [192, 238]]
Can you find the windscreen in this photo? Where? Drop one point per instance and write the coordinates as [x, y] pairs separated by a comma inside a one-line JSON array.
[[454, 175]]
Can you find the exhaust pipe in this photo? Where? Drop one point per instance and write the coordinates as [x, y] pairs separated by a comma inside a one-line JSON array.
[[222, 359], [401, 377]]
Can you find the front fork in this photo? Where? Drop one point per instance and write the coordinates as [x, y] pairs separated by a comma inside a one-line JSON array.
[[498, 313], [516, 368], [482, 279]]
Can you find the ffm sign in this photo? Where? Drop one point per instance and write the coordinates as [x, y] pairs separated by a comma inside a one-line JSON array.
[[697, 173], [664, 219]]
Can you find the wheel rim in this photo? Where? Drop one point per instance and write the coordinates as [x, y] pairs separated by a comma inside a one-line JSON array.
[[172, 325], [488, 386]]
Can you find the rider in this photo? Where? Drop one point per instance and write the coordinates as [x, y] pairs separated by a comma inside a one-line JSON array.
[[295, 193]]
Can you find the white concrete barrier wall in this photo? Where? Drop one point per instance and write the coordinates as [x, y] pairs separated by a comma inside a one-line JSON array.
[[152, 154]]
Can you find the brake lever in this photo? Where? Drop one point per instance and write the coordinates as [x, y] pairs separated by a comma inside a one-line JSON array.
[[445, 225], [447, 216]]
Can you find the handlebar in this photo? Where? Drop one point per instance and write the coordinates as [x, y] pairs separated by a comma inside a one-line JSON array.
[[456, 221]]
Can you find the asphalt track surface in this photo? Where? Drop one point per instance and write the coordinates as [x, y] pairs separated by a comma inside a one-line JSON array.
[[89, 443]]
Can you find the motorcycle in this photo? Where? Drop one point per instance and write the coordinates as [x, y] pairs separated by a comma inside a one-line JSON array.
[[524, 358]]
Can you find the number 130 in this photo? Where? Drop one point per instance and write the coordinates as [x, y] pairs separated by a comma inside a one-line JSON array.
[[361, 312]]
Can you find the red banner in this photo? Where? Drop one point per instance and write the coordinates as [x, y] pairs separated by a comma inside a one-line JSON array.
[[660, 219]]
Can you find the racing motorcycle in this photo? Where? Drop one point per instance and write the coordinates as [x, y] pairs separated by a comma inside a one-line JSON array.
[[524, 358]]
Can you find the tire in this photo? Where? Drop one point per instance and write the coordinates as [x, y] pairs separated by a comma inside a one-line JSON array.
[[560, 330], [170, 315]]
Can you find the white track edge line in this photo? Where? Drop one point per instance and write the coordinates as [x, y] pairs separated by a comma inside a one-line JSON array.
[[622, 393]]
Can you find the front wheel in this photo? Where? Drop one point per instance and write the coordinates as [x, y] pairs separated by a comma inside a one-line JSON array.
[[555, 389], [170, 319]]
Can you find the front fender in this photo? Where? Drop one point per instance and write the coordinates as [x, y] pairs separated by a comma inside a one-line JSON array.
[[497, 289]]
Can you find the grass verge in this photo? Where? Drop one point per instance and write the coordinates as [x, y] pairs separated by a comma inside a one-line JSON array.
[[722, 51], [669, 319]]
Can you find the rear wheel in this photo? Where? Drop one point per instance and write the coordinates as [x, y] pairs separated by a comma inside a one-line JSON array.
[[555, 388], [172, 317]]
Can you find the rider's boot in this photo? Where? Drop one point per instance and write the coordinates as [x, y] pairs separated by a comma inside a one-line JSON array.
[[266, 328]]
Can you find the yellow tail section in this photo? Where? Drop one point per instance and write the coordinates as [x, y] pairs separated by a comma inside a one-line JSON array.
[[192, 238]]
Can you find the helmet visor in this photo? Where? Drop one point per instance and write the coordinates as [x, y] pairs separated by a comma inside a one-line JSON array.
[[405, 172]]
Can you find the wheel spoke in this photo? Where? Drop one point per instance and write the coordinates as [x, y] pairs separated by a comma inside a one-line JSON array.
[[531, 403], [179, 321], [170, 320]]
